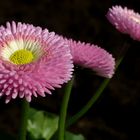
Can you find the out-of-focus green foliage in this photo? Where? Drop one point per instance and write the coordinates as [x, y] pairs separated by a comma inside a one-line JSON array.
[[71, 136], [41, 125]]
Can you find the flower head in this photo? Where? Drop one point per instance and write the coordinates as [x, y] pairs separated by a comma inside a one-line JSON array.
[[125, 20], [32, 61], [93, 57]]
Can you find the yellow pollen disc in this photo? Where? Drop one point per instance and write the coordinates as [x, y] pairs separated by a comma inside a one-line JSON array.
[[21, 57]]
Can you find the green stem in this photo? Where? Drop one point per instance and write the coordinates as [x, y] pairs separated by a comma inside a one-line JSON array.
[[93, 99], [63, 110], [24, 118]]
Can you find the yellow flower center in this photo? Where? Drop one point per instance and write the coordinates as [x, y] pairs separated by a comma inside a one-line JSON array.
[[21, 57]]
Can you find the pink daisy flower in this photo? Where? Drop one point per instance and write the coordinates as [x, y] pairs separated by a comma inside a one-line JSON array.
[[93, 57], [125, 20], [32, 61]]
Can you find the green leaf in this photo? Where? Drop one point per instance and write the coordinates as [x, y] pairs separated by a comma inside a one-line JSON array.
[[41, 125], [71, 136]]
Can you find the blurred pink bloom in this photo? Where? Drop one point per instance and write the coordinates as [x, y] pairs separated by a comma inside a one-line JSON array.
[[93, 57], [32, 61], [125, 20]]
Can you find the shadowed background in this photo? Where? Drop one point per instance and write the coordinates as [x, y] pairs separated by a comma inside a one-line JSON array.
[[115, 116]]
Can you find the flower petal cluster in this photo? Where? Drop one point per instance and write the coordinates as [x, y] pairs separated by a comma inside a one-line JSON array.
[[32, 61], [93, 57], [125, 20]]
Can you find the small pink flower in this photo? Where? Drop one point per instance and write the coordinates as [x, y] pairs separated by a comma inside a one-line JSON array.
[[32, 61], [93, 57], [125, 20]]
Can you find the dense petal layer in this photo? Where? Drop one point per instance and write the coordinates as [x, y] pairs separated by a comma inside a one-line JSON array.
[[93, 57], [125, 20], [52, 67]]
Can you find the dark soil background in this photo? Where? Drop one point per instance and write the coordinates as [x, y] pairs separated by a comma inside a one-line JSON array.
[[115, 116]]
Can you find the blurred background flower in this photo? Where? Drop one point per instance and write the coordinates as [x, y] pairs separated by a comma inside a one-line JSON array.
[[125, 20]]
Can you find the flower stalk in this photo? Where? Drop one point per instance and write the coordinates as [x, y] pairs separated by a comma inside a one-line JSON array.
[[63, 110], [89, 104], [99, 91], [24, 119]]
